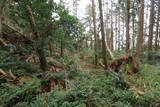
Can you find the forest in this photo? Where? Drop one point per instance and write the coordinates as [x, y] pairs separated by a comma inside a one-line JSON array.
[[79, 53]]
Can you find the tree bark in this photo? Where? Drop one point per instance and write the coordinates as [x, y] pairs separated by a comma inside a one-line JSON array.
[[103, 35], [119, 26], [157, 27], [133, 26], [127, 3], [41, 55], [151, 26], [116, 30], [111, 28], [95, 32], [139, 43]]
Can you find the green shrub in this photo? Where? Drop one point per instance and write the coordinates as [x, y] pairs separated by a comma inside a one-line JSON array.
[[13, 94]]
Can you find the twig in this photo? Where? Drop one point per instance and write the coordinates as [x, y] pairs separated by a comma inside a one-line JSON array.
[[8, 74], [3, 72], [3, 42], [12, 75]]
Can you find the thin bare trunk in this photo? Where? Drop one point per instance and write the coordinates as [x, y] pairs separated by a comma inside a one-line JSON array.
[[133, 31], [157, 27], [95, 32], [111, 44], [127, 2], [103, 35], [122, 37], [116, 30], [151, 26], [133, 27], [119, 26]]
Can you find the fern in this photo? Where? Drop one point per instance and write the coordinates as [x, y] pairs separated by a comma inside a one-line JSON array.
[[23, 92]]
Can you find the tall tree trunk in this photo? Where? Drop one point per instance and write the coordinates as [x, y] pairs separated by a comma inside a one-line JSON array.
[[103, 35], [157, 27], [123, 22], [139, 43], [95, 32], [122, 37], [147, 16], [151, 26], [116, 30], [61, 42], [133, 31], [108, 37], [119, 26], [106, 15], [133, 26], [127, 3], [39, 41], [41, 54], [111, 27]]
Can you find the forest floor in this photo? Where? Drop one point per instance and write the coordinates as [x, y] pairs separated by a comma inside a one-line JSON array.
[[91, 86], [146, 80], [144, 83]]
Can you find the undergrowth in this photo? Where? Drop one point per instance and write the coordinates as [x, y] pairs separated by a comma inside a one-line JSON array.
[[92, 88]]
